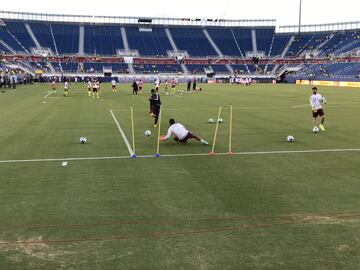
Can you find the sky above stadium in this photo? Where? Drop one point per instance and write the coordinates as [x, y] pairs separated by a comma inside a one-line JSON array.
[[284, 11]]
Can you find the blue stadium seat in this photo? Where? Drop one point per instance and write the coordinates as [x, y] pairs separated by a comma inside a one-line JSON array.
[[154, 43], [225, 41], [9, 40], [17, 28], [42, 33], [279, 44], [263, 39], [102, 39], [66, 37], [192, 40]]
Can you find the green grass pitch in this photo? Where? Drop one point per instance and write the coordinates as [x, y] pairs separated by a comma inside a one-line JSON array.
[[272, 206]]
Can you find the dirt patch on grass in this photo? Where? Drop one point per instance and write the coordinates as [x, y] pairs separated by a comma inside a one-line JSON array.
[[323, 219], [343, 248], [41, 251]]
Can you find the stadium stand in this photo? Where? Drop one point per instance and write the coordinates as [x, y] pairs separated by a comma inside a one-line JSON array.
[[184, 48]]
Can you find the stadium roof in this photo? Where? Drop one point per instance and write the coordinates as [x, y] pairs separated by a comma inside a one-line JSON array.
[[28, 16]]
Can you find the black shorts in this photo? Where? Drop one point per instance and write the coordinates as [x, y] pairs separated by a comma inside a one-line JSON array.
[[319, 113], [113, 86], [95, 90], [184, 140], [155, 109]]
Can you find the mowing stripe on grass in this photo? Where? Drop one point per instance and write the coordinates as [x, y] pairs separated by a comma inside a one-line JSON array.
[[131, 152], [185, 155]]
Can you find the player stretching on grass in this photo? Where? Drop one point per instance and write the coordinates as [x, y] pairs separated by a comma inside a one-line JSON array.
[[316, 103], [181, 133]]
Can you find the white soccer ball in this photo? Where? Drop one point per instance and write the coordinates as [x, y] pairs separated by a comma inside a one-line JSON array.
[[83, 140], [220, 120], [147, 133], [316, 130], [290, 138], [211, 121]]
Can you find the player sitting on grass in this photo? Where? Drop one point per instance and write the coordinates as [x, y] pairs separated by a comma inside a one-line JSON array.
[[316, 103], [181, 133]]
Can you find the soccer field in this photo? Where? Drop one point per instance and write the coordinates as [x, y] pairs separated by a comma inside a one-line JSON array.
[[272, 205]]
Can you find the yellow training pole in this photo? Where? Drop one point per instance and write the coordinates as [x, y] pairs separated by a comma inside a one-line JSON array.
[[158, 139], [212, 153], [231, 127], [133, 131]]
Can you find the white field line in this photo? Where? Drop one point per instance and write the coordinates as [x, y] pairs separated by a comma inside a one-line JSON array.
[[256, 153], [212, 108], [48, 94], [332, 105], [131, 152], [302, 105]]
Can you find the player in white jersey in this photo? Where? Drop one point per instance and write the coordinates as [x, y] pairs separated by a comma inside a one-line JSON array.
[[113, 85], [96, 89], [157, 84], [181, 134], [66, 89], [89, 87], [316, 103]]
